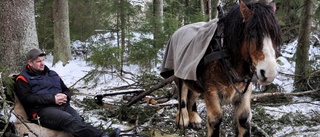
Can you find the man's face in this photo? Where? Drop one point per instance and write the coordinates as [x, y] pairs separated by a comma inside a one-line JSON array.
[[37, 64]]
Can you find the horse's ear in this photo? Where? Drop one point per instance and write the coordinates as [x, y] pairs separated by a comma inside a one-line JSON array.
[[245, 11], [273, 5]]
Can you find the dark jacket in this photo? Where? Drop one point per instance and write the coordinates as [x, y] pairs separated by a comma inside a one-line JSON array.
[[37, 90]]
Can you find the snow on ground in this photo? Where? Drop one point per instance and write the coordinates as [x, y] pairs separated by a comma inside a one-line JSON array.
[[303, 108], [301, 131]]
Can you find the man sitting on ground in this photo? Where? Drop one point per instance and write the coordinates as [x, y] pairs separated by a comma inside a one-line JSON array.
[[46, 98]]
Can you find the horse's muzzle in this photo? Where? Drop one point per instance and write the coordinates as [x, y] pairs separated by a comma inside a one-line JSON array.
[[266, 77]]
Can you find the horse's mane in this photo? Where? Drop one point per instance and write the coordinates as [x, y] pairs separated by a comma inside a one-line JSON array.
[[262, 23]]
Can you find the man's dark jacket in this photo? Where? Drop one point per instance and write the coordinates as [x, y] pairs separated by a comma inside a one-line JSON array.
[[37, 90]]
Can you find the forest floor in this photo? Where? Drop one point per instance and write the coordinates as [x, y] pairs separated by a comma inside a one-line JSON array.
[[275, 116]]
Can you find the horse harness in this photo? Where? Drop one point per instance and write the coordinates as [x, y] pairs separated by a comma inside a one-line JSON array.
[[218, 52]]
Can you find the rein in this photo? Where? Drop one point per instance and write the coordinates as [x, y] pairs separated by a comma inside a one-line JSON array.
[[222, 54]]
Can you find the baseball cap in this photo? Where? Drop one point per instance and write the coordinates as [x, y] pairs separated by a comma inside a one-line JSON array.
[[35, 53]]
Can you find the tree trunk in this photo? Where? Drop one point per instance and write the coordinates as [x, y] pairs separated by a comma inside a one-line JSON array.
[[214, 11], [207, 8], [62, 49], [123, 33], [202, 7], [119, 57], [302, 65], [158, 16], [17, 33]]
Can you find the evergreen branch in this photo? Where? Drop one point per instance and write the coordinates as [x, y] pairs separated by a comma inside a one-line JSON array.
[[260, 130]]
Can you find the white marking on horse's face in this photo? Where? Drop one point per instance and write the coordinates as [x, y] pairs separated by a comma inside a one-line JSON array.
[[267, 68]]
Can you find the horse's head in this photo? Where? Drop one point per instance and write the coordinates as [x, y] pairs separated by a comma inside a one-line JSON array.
[[262, 37], [255, 35]]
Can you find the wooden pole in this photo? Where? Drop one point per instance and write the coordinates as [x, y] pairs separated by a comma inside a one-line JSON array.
[[143, 94]]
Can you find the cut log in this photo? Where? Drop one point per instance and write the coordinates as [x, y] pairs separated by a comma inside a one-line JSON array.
[[143, 94]]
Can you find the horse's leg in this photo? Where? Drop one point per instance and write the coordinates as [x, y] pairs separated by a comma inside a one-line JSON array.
[[194, 118], [182, 118], [214, 112], [243, 113]]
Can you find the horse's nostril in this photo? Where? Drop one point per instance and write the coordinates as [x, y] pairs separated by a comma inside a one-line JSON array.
[[263, 74]]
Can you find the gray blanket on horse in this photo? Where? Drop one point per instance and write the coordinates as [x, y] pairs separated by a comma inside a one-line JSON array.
[[186, 48]]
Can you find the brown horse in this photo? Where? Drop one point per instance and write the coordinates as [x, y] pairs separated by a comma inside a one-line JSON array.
[[248, 39]]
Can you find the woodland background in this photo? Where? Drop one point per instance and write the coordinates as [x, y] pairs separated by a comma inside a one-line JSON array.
[[139, 29]]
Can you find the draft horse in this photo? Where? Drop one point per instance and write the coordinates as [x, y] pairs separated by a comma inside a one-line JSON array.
[[251, 36]]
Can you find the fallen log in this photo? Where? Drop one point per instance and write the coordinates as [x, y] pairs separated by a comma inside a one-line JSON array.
[[143, 94], [265, 95], [98, 98]]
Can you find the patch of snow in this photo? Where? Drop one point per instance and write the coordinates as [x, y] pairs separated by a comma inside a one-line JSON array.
[[301, 131], [303, 108]]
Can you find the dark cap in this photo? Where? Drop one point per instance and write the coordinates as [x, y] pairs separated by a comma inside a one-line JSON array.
[[35, 53]]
